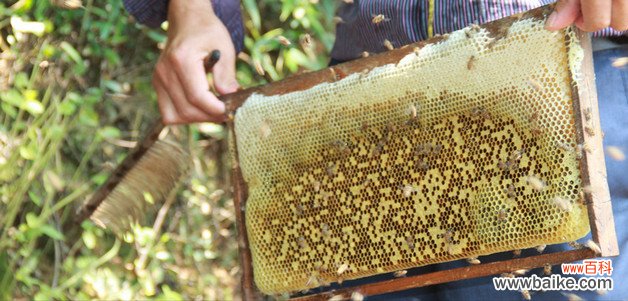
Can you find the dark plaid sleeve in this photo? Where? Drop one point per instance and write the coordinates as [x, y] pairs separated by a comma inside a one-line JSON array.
[[153, 12]]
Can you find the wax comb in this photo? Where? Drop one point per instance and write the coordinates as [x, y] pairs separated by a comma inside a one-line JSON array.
[[480, 141]]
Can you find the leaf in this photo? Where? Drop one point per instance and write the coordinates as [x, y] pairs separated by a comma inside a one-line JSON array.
[[88, 117], [89, 239], [66, 108], [51, 232], [71, 52], [253, 11], [35, 198], [109, 132], [29, 151], [32, 220], [34, 107]]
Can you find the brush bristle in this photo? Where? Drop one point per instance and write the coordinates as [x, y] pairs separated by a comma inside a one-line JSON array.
[[151, 180]]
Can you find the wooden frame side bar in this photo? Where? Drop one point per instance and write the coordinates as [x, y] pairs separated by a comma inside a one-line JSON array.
[[593, 167]]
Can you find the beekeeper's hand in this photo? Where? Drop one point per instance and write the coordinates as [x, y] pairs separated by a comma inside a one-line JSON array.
[[179, 79], [589, 15]]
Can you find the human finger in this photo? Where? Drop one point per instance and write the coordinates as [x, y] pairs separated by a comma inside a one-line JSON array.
[[564, 14], [225, 74], [596, 14], [166, 108], [191, 74], [619, 15], [186, 111]]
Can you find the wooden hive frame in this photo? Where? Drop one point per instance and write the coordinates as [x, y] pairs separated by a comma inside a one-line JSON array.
[[593, 172]]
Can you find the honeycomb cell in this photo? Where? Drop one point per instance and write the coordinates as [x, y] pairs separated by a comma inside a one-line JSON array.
[[411, 164]]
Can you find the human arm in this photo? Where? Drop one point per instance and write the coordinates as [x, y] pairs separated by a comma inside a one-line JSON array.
[[196, 27]]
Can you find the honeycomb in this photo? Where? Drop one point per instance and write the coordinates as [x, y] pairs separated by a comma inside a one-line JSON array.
[[466, 147]]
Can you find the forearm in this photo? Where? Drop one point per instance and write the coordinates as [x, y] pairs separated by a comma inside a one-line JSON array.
[[153, 12]]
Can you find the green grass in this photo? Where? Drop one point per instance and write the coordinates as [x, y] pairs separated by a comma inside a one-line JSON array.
[[75, 90]]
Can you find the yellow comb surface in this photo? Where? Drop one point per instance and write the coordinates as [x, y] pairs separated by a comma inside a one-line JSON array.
[[466, 147]]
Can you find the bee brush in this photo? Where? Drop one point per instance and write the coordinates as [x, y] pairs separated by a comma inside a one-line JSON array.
[[147, 174]]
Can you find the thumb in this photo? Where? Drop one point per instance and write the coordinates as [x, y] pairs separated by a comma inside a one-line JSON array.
[[564, 14], [225, 75]]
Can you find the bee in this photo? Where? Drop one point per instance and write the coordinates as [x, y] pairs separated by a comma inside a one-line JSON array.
[[575, 245], [593, 246], [413, 111], [615, 153], [516, 155], [365, 54], [516, 253], [536, 183], [366, 183], [401, 273], [325, 230], [536, 131], [299, 209], [587, 114], [316, 185], [331, 169], [562, 204], [388, 44], [379, 19], [502, 215], [283, 41], [258, 67], [342, 268], [264, 129], [547, 269], [336, 298], [67, 4], [407, 191], [510, 191], [534, 116], [437, 149], [480, 112], [541, 248], [620, 62], [534, 84], [589, 130], [601, 292], [355, 296], [471, 62], [416, 50], [564, 146], [526, 295], [572, 297], [364, 127], [301, 242], [473, 260], [504, 165], [521, 272], [410, 242], [338, 20], [341, 146], [326, 195], [312, 281], [306, 40], [423, 165]]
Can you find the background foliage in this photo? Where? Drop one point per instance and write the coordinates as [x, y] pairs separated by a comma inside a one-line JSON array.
[[75, 94]]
